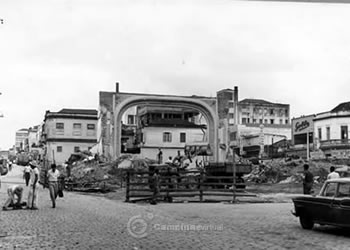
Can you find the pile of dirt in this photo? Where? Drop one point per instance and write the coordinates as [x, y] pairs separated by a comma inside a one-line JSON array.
[[289, 171]]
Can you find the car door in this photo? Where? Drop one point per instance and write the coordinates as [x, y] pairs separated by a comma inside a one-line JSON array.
[[322, 205], [340, 213]]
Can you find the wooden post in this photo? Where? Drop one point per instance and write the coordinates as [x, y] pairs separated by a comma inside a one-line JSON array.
[[127, 186], [308, 147], [200, 181], [234, 175]]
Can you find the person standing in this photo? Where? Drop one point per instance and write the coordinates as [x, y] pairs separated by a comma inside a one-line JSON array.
[[52, 177], [160, 156], [332, 174], [14, 191], [26, 174], [33, 186], [308, 180], [155, 187]]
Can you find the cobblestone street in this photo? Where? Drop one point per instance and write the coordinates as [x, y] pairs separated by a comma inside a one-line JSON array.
[[93, 222]]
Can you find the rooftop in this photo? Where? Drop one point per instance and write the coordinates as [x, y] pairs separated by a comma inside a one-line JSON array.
[[345, 106], [259, 101], [78, 111]]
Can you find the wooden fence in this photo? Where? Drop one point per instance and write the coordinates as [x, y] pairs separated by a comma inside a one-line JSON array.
[[181, 184]]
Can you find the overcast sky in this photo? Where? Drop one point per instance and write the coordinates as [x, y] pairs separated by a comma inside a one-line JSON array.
[[60, 54]]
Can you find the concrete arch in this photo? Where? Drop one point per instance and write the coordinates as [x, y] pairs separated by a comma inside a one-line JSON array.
[[200, 105]]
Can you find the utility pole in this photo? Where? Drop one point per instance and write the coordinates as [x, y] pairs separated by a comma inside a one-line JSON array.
[[1, 114]]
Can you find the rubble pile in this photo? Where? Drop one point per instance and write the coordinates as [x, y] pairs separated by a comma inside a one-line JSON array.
[[288, 171], [90, 170]]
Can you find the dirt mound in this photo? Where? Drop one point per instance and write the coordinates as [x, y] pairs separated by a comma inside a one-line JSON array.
[[288, 171]]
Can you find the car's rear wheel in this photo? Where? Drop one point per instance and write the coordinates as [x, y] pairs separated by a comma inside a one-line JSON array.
[[306, 222]]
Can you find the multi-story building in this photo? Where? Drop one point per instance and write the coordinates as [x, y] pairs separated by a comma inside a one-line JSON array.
[[251, 123], [332, 131], [21, 139], [68, 131], [168, 128]]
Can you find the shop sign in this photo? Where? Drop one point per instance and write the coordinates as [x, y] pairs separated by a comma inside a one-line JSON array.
[[303, 125]]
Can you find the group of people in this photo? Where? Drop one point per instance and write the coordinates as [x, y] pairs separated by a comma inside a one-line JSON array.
[[308, 180], [31, 176]]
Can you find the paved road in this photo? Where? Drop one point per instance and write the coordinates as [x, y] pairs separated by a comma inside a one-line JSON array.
[[90, 222]]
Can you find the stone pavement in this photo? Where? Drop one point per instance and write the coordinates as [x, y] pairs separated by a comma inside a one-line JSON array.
[[93, 222]]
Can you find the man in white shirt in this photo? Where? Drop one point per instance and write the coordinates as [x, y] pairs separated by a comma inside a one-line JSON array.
[[52, 178], [26, 174], [33, 186], [332, 174]]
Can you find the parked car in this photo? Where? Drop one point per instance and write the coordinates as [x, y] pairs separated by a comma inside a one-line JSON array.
[[330, 207]]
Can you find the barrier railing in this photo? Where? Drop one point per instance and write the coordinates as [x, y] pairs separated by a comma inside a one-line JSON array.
[[140, 185]]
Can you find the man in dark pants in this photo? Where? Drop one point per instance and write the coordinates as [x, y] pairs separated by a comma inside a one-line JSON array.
[[308, 180], [155, 186]]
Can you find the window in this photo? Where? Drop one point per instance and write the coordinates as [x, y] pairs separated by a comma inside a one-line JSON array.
[[59, 149], [286, 112], [59, 125], [330, 189], [76, 128], [230, 115], [254, 120], [287, 121], [248, 120], [182, 137], [76, 149], [344, 132], [281, 121], [261, 121], [272, 112], [166, 137], [272, 121], [91, 126], [131, 119], [91, 130], [320, 134], [59, 128], [328, 129], [244, 120], [265, 121], [76, 125], [344, 190]]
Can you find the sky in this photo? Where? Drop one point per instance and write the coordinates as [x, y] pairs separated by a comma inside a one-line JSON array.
[[60, 54]]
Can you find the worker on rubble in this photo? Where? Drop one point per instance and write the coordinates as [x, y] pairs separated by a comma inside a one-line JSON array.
[[160, 156]]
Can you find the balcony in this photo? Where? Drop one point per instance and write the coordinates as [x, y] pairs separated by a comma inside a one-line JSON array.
[[335, 144]]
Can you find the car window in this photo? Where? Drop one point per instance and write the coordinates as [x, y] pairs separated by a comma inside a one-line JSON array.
[[344, 190], [330, 189]]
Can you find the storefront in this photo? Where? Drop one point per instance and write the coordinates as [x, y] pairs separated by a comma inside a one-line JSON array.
[[302, 127]]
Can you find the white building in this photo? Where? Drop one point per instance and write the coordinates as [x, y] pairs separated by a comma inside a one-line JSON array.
[[68, 131], [169, 129], [332, 130]]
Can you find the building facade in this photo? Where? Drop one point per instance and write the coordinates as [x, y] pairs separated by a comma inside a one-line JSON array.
[[21, 139], [168, 128], [251, 124], [332, 131], [68, 131]]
